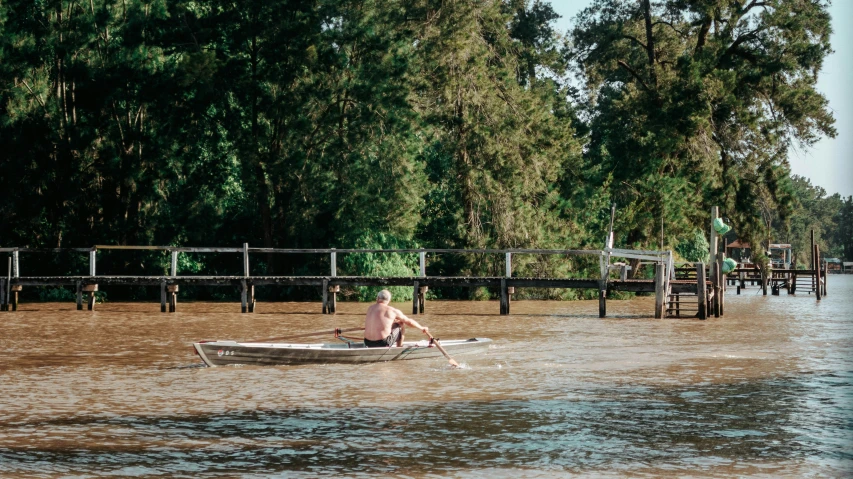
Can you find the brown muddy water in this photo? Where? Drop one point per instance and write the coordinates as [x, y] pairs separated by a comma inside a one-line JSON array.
[[766, 391]]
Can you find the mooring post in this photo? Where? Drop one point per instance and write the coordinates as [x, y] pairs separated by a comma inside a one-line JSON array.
[[172, 289], [423, 289], [79, 296], [92, 254], [16, 273], [163, 296], [817, 271], [602, 298], [792, 288], [251, 298], [660, 273], [90, 289], [244, 300], [325, 293], [723, 285], [333, 262], [333, 299], [764, 279], [718, 288], [2, 294], [504, 298], [701, 291], [415, 298]]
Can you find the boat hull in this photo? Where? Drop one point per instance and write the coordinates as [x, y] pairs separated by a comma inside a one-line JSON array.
[[224, 353]]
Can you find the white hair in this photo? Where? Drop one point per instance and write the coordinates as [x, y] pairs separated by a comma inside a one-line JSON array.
[[383, 295]]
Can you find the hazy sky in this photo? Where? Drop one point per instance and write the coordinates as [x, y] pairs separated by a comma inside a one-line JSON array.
[[830, 162]]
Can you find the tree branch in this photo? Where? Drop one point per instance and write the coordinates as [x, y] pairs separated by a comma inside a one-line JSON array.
[[635, 75]]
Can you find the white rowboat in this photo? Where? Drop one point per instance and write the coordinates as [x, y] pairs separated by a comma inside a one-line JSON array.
[[222, 353]]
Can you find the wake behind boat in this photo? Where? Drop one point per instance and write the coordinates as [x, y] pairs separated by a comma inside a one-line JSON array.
[[222, 353]]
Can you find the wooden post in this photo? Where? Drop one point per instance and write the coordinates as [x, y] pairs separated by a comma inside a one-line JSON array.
[[718, 290], [764, 280], [92, 262], [422, 297], [602, 298], [504, 309], [245, 260], [8, 286], [811, 251], [163, 296], [714, 247], [723, 285], [817, 271], [90, 288], [422, 261], [251, 299], [701, 292], [510, 290], [2, 294], [660, 272], [508, 264], [16, 272], [325, 293], [623, 272], [79, 296], [333, 299], [793, 288], [244, 291], [174, 263], [415, 298], [172, 291]]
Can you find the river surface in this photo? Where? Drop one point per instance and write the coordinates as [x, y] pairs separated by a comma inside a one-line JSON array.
[[765, 391]]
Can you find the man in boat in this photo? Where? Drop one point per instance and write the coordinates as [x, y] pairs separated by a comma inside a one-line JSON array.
[[385, 325]]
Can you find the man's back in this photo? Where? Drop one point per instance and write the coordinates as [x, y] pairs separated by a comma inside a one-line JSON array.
[[380, 318]]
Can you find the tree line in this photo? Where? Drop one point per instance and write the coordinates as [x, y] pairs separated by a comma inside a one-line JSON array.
[[417, 123]]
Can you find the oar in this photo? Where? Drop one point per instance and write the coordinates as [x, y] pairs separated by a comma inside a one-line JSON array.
[[440, 348], [335, 332]]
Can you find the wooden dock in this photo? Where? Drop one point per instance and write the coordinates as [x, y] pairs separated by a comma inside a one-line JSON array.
[[330, 285]]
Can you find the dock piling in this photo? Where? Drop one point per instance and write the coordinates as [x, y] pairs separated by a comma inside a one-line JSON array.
[[416, 298], [660, 272], [79, 296], [817, 272], [701, 291]]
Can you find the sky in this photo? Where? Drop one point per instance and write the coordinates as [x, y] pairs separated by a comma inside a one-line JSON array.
[[829, 163]]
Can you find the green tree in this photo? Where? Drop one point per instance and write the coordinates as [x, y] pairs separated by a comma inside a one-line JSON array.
[[694, 103]]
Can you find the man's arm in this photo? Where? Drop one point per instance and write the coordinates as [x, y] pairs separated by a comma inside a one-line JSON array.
[[402, 318]]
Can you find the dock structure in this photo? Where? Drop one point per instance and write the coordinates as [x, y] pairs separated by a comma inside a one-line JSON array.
[[330, 284]]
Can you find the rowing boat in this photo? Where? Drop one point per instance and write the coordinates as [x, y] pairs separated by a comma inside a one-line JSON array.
[[222, 353]]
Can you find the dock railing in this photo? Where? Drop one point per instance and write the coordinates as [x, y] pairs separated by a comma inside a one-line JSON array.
[[331, 282]]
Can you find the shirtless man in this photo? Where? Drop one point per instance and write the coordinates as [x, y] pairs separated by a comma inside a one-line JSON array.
[[384, 325]]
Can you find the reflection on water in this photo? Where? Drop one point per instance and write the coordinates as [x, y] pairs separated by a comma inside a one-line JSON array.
[[766, 390]]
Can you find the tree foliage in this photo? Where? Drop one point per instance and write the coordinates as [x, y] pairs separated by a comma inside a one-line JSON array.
[[419, 123]]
